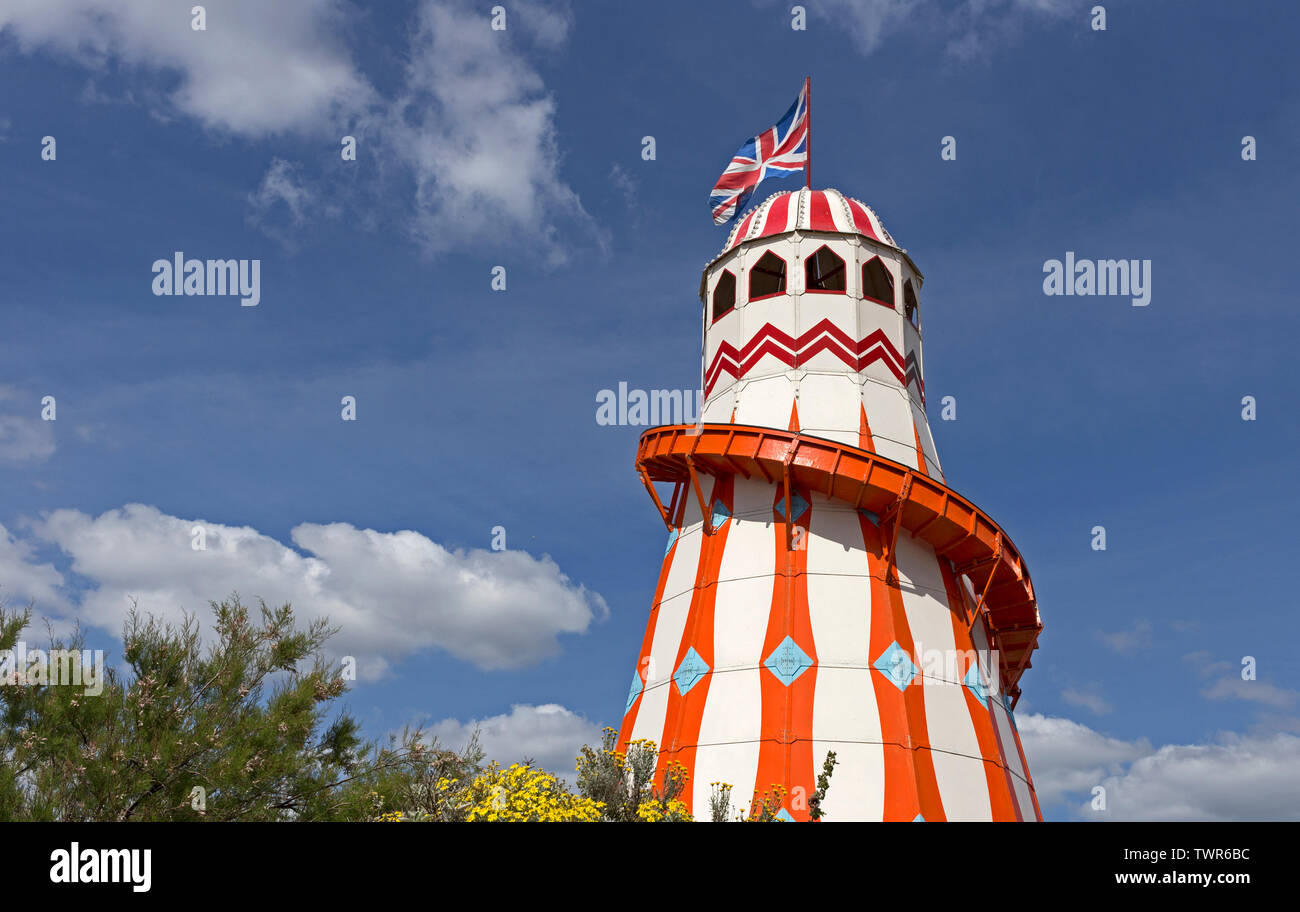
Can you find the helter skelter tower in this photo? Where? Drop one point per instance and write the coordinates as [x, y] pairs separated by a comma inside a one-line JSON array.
[[823, 588]]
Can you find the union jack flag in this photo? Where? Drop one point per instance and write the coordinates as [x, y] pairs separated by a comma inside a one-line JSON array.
[[777, 152]]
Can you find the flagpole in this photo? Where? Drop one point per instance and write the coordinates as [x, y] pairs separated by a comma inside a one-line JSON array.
[[807, 164]]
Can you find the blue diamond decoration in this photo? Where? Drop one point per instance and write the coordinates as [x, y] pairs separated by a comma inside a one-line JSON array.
[[785, 815], [797, 505], [1006, 703], [788, 661], [690, 671], [918, 819], [874, 517], [672, 537], [975, 681], [720, 514], [635, 691], [896, 665]]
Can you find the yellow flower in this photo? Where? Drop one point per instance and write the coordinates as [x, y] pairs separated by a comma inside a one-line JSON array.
[[524, 793]]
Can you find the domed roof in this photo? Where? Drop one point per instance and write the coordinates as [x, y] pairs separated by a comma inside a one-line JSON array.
[[809, 210]]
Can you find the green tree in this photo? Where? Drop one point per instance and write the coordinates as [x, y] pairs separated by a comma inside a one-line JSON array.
[[237, 731]]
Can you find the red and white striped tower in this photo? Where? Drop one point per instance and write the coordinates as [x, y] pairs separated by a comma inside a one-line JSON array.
[[823, 588]]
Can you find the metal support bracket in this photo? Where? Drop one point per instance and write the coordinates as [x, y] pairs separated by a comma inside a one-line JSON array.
[[705, 512], [654, 495], [988, 584], [893, 517]]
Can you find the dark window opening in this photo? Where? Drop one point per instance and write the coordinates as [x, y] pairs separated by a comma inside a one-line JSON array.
[[724, 294], [877, 283], [767, 277], [824, 271], [911, 308]]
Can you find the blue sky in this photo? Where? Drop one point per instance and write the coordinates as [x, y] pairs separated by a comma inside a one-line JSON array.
[[476, 408]]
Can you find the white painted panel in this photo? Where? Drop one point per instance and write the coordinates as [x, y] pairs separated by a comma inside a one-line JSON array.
[[652, 713], [927, 440], [919, 577], [829, 407], [731, 724], [669, 626], [846, 718], [667, 640], [718, 409], [686, 559], [947, 716], [849, 725], [679, 589], [839, 588], [766, 403], [1007, 736], [729, 741], [890, 419], [1007, 733], [746, 577], [963, 786]]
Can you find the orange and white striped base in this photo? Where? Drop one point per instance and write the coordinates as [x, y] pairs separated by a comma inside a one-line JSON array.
[[796, 621]]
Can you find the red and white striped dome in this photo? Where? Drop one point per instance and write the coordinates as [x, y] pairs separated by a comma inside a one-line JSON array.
[[809, 210]]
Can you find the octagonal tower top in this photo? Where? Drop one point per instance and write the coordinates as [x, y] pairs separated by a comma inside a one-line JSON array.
[[809, 210]]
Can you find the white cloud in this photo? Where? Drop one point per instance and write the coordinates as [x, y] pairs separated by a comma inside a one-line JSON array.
[[25, 439], [22, 579], [546, 22], [477, 128], [258, 68], [1065, 757], [1088, 699], [974, 27], [867, 20], [1235, 777], [285, 201], [1053, 7], [982, 26], [624, 183], [472, 124], [1205, 665], [391, 593], [1234, 688], [24, 435], [1127, 642], [550, 735], [281, 184], [1226, 683]]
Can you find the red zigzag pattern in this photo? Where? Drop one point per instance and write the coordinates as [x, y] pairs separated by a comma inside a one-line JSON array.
[[825, 336]]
